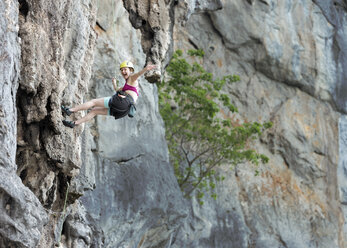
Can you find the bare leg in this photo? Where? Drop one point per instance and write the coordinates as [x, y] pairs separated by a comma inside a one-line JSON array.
[[90, 104], [95, 111]]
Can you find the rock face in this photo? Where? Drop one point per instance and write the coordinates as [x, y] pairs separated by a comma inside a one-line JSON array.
[[156, 21], [48, 46], [288, 58], [335, 14], [341, 172], [108, 183], [21, 214], [136, 201]]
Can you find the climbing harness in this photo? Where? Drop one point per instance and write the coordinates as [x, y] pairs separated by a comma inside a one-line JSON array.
[[122, 104]]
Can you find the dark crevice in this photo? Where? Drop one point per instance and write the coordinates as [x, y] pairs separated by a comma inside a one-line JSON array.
[[23, 174], [62, 183], [264, 2], [127, 160], [215, 28], [101, 27], [319, 153], [64, 229], [341, 5], [193, 44], [23, 7]]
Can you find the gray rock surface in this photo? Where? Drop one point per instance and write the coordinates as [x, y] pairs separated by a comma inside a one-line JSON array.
[[342, 169], [276, 41], [9, 65], [156, 21], [57, 41], [335, 14], [21, 215], [290, 56], [284, 53], [136, 201]]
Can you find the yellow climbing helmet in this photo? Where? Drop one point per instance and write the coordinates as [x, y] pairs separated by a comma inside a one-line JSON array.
[[126, 64]]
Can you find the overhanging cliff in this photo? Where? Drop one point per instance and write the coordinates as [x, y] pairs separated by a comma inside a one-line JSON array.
[[115, 175]]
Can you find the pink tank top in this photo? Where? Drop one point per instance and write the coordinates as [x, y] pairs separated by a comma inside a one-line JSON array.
[[129, 87]]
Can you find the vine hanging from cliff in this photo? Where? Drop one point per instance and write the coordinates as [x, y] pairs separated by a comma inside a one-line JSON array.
[[199, 140]]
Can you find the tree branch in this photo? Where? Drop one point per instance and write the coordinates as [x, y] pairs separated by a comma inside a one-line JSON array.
[[203, 175]]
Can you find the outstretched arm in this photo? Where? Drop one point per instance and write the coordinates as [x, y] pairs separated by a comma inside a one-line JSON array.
[[136, 75]]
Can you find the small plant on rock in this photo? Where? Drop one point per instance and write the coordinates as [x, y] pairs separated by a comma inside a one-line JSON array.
[[199, 141]]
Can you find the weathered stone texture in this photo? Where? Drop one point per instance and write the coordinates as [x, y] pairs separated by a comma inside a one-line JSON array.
[[57, 41], [21, 214], [335, 14], [342, 169], [136, 199], [156, 20], [285, 53], [9, 66], [57, 47], [291, 58]]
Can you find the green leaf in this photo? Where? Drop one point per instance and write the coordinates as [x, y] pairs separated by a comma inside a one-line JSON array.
[[199, 53]]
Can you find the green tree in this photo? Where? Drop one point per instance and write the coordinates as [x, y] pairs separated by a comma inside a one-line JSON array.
[[199, 141]]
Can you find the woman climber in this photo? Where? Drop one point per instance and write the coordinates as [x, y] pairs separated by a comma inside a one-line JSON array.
[[119, 104]]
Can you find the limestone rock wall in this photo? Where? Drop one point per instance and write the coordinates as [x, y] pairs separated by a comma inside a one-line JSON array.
[[119, 188], [136, 200], [57, 47], [21, 214], [156, 21], [289, 57], [47, 54]]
